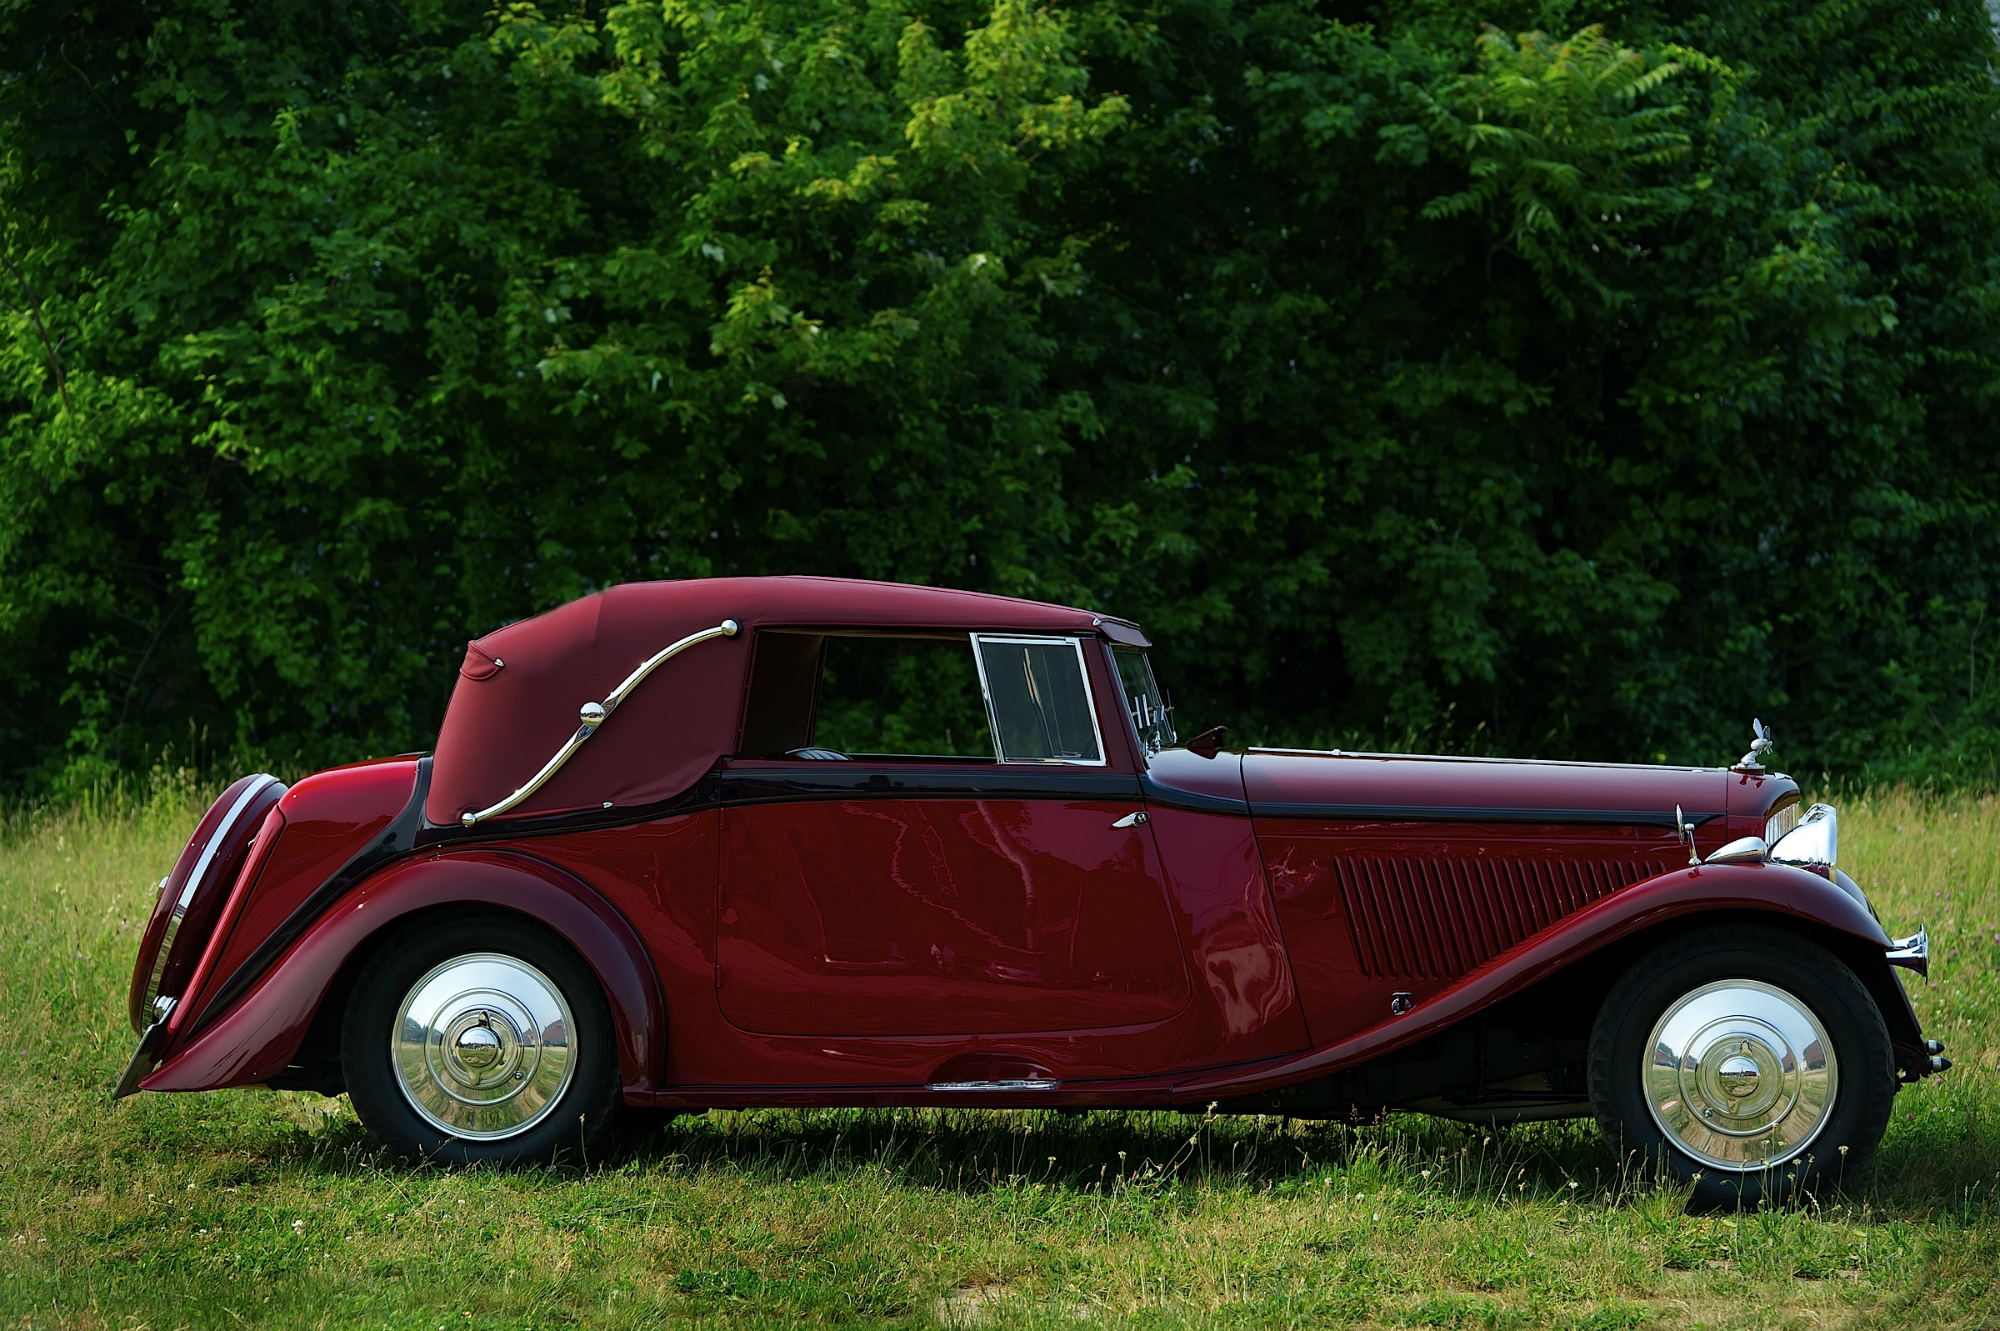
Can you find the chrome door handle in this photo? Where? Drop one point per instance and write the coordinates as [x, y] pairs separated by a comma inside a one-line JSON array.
[[1131, 820]]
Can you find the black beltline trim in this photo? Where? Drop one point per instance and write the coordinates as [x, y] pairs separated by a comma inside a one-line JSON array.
[[1420, 813], [846, 781], [703, 794], [397, 839], [409, 831], [1195, 801]]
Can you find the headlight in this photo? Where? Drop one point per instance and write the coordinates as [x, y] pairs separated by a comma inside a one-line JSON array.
[[1816, 839], [1781, 821]]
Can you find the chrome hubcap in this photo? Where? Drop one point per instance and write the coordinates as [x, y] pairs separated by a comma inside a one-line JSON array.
[[482, 1046], [1740, 1075]]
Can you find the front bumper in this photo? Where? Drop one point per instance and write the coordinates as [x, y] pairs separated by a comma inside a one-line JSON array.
[[1912, 953]]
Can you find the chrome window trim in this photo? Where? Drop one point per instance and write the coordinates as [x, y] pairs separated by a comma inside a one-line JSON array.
[[1089, 697]]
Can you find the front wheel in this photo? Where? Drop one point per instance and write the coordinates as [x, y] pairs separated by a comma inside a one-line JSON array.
[[1748, 1061], [481, 1039]]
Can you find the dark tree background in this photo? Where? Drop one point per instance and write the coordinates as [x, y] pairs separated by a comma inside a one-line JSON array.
[[1562, 379]]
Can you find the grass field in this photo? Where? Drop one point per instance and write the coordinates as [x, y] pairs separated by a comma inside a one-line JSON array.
[[272, 1209]]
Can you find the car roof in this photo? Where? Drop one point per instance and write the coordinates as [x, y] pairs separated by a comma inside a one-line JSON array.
[[518, 693]]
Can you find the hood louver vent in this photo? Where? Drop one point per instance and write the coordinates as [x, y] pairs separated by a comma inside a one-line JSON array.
[[1440, 918]]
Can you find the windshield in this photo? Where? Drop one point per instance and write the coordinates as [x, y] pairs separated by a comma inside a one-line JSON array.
[[1151, 715]]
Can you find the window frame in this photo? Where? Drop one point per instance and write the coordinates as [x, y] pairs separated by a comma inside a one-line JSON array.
[[1075, 645]]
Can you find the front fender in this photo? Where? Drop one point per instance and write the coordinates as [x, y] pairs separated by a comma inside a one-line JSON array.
[[258, 1037], [1770, 889]]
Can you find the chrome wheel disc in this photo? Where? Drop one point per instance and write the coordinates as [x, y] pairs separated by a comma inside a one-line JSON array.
[[1740, 1075], [481, 1046]]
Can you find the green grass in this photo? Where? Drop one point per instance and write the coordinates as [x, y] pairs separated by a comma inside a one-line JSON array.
[[263, 1208]]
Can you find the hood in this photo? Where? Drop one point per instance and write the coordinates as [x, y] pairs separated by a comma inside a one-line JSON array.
[[1402, 788]]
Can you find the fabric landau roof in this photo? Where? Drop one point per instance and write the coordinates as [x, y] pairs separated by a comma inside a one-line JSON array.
[[520, 687]]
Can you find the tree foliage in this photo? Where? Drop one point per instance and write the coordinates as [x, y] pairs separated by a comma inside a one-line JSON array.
[[1562, 380]]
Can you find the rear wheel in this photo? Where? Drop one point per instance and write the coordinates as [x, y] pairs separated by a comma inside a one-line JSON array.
[[481, 1040], [1749, 1061]]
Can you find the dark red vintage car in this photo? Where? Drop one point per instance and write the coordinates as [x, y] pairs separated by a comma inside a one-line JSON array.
[[802, 841]]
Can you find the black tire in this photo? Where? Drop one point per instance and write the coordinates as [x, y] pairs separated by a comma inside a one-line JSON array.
[[574, 1125], [1864, 1086]]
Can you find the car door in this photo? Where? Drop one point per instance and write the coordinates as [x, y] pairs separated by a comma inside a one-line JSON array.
[[976, 869]]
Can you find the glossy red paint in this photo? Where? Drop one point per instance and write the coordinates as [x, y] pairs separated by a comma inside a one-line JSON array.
[[330, 818], [253, 864], [1465, 790], [713, 1062], [943, 917], [259, 1035], [1188, 780], [1250, 1007], [248, 802], [1753, 795], [953, 932], [660, 876], [1243, 1006], [1774, 890], [1244, 1010], [1370, 910]]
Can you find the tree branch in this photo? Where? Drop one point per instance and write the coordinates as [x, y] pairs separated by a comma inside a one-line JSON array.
[[118, 752], [35, 313]]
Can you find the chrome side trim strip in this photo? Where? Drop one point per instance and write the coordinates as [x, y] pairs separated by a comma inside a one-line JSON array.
[[250, 792], [594, 714], [1469, 758], [1012, 1084], [1461, 813]]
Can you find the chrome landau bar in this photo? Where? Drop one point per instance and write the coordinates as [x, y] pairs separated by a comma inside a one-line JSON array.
[[594, 714]]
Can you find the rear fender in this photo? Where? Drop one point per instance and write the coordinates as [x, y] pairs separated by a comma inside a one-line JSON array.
[[259, 1036], [1777, 892]]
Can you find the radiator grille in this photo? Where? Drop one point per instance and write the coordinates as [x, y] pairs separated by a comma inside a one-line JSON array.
[[1439, 918]]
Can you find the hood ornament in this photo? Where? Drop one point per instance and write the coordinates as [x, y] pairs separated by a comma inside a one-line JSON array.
[[1760, 744]]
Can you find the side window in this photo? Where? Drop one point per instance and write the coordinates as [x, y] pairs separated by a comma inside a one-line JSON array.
[[829, 696], [1039, 698], [784, 693], [913, 697]]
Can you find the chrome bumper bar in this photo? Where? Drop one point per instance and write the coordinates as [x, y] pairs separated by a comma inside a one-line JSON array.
[[144, 1058], [1913, 953]]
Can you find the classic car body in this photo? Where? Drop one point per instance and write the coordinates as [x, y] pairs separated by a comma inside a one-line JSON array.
[[1085, 914]]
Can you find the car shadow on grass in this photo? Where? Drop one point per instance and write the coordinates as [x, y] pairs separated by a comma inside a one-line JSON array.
[[1939, 1152]]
